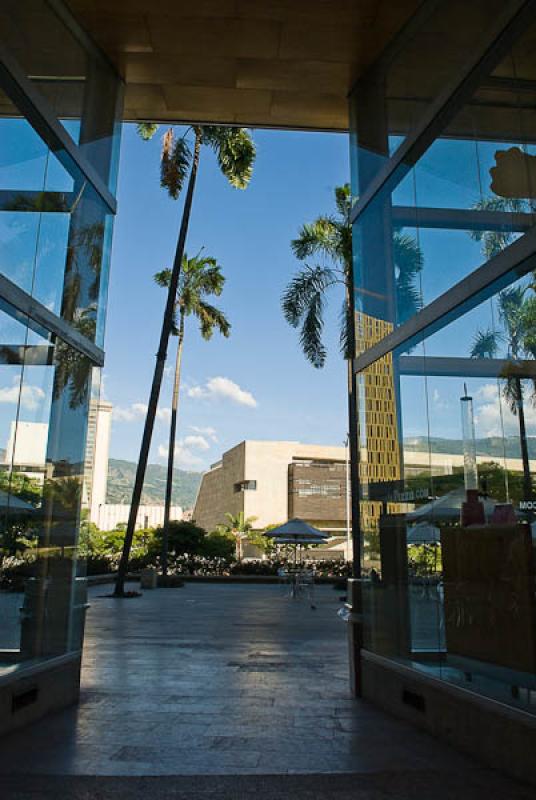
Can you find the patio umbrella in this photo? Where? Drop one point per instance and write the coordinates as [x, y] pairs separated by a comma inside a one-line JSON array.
[[296, 532], [447, 508], [423, 533]]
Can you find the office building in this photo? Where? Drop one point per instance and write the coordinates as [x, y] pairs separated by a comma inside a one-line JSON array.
[[97, 452], [271, 482]]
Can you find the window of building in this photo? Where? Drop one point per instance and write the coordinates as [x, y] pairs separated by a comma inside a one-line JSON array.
[[245, 486], [56, 214], [451, 231]]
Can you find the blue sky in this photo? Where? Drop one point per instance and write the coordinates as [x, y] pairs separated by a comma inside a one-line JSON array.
[[249, 233], [257, 384]]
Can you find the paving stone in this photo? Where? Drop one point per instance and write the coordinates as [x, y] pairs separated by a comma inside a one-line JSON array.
[[236, 682]]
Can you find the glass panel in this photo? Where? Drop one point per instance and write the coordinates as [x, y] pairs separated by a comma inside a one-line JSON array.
[[448, 463], [469, 196], [45, 394], [55, 231], [79, 85], [433, 57]]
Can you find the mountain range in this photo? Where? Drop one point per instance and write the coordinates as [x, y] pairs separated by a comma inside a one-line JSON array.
[[121, 476], [493, 446]]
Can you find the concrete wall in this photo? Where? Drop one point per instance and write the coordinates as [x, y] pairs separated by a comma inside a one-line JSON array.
[[267, 463], [216, 495], [500, 736], [27, 695]]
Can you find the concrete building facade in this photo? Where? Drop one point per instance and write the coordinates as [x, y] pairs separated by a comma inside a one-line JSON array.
[[97, 454], [272, 481]]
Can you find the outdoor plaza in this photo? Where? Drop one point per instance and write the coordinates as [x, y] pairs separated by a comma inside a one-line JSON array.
[[435, 259], [231, 682]]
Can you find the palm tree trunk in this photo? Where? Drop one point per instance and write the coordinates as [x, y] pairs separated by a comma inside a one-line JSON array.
[[167, 324], [527, 481], [171, 452], [353, 432]]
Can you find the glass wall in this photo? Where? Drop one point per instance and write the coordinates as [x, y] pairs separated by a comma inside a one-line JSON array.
[[445, 311], [55, 229]]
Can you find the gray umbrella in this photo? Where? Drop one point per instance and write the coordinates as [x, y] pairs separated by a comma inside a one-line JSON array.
[[296, 531]]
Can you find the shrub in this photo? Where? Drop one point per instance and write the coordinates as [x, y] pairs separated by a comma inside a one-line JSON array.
[[183, 537], [219, 545]]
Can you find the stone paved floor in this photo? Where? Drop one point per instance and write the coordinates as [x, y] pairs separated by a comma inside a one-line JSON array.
[[233, 680]]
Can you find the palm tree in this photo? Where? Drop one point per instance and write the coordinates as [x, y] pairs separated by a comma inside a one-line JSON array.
[[330, 238], [200, 277], [512, 305], [486, 343], [240, 526], [303, 302], [235, 151]]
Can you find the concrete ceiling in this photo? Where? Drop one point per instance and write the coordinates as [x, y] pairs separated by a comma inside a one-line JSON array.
[[280, 63]]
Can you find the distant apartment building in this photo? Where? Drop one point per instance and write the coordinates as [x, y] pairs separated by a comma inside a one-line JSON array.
[[97, 453], [26, 448], [26, 451], [110, 515]]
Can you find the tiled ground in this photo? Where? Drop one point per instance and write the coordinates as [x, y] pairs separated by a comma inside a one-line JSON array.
[[228, 680]]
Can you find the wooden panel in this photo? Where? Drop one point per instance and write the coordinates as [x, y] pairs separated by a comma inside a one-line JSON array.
[[490, 612]]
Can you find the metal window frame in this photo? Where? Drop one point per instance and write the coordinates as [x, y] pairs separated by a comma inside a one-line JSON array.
[[35, 108], [461, 297], [40, 314], [461, 219], [465, 367], [516, 17], [467, 293]]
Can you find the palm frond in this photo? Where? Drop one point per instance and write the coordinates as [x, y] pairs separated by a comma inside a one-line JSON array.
[[346, 336], [163, 278], [236, 157], [485, 344], [235, 151], [528, 324], [147, 130], [311, 331], [343, 201], [321, 237], [302, 291], [211, 318], [511, 303], [174, 163], [493, 242], [513, 394]]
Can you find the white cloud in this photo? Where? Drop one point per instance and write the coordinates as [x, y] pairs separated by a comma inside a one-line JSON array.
[[438, 401], [30, 396], [208, 432], [221, 387], [488, 420], [183, 456], [184, 451], [197, 441], [487, 392], [136, 411]]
